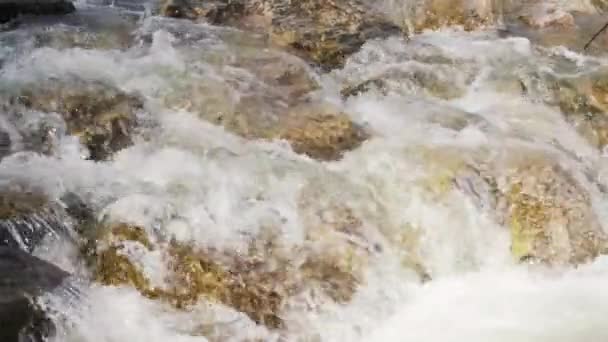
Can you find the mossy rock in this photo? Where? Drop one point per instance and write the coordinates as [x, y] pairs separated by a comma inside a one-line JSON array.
[[584, 102], [317, 130], [551, 217], [102, 116], [323, 32], [321, 134], [436, 14], [258, 283], [192, 276]]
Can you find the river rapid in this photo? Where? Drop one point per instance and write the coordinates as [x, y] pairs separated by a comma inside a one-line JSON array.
[[421, 212]]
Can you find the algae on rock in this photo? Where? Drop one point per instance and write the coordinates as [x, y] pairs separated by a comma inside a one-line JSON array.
[[322, 31], [102, 116], [550, 216]]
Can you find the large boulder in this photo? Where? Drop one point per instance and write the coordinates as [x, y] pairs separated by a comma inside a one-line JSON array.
[[22, 278], [324, 32], [10, 9]]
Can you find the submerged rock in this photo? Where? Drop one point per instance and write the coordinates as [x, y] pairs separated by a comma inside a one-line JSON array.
[[10, 9], [23, 277], [324, 32], [102, 116]]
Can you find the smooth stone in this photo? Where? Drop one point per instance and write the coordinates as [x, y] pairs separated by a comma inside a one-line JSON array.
[[22, 277]]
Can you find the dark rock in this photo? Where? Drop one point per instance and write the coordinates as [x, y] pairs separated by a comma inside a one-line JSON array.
[[23, 277], [11, 9], [5, 144], [27, 218]]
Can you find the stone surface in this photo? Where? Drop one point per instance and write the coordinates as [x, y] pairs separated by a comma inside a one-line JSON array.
[[584, 102], [258, 282], [547, 211], [10, 9], [29, 217], [102, 116], [321, 132], [22, 277], [323, 32], [550, 216]]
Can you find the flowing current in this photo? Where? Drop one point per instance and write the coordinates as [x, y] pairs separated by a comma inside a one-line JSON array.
[[451, 98]]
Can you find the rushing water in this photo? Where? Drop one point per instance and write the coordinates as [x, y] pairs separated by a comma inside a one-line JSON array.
[[451, 96]]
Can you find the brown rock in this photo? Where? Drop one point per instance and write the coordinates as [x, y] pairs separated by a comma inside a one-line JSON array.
[[323, 31], [583, 101], [550, 216], [102, 116], [322, 134]]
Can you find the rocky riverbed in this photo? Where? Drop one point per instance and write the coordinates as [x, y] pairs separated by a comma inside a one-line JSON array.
[[273, 170]]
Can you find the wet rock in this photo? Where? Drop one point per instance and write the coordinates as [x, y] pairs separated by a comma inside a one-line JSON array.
[[23, 277], [376, 84], [550, 216], [191, 276], [29, 217], [418, 16], [68, 37], [433, 82], [548, 212], [321, 133], [584, 102], [318, 130], [10, 9], [323, 32], [102, 116], [258, 282], [5, 144]]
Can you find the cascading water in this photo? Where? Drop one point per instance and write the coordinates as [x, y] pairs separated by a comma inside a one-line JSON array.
[[419, 221]]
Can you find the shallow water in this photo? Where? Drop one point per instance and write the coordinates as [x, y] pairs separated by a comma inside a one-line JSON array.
[[451, 97]]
